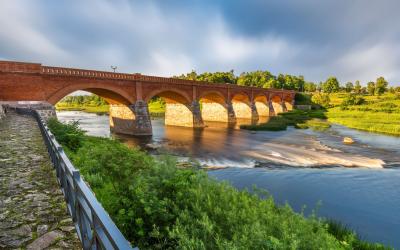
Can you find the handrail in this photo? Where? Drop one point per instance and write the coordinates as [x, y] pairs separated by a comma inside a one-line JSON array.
[[94, 227]]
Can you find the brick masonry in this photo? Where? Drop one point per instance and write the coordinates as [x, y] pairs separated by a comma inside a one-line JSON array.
[[131, 92]]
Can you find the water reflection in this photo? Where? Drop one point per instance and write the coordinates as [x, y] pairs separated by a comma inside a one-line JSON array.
[[220, 144]]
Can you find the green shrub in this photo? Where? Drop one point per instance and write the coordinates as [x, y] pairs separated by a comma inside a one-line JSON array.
[[303, 99], [321, 99], [69, 135], [353, 100]]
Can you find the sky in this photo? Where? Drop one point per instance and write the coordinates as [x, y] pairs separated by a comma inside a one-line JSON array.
[[349, 39]]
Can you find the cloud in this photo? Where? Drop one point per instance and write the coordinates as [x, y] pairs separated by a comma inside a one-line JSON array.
[[349, 39]]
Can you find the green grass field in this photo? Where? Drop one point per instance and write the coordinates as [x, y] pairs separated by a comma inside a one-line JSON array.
[[155, 107], [379, 114]]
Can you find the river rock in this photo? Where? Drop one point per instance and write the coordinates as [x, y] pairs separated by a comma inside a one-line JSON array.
[[348, 140], [153, 146]]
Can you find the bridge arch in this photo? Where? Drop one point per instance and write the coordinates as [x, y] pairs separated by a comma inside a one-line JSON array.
[[261, 104], [122, 117], [112, 94], [179, 110], [241, 104], [276, 101], [289, 100], [214, 106]]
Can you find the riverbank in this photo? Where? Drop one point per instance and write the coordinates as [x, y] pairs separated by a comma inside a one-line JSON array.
[[185, 208], [156, 109], [301, 119], [379, 114]]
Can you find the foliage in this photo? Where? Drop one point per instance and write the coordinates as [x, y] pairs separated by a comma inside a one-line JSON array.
[[345, 234], [217, 77], [258, 79], [357, 87], [331, 85], [353, 99], [310, 87], [303, 99], [371, 88], [349, 87], [84, 100], [261, 79], [69, 135], [380, 86], [321, 99]]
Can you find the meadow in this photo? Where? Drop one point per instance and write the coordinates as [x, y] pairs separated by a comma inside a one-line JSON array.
[[379, 114]]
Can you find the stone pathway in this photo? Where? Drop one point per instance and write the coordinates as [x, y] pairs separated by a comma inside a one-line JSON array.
[[33, 212]]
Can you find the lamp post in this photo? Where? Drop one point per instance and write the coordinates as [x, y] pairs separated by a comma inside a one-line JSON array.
[[113, 68]]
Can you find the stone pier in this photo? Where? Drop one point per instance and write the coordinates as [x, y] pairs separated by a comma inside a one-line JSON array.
[[132, 119], [33, 213]]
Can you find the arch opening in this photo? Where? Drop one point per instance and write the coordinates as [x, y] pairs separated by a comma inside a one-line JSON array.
[[262, 107], [277, 104], [178, 108], [288, 103], [213, 107], [241, 105], [122, 118]]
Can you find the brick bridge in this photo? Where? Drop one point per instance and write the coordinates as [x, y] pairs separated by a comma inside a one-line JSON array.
[[128, 95]]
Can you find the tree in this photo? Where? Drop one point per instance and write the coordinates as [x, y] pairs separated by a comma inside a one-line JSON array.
[[357, 87], [371, 88], [349, 87], [380, 86], [331, 85], [310, 87], [256, 78]]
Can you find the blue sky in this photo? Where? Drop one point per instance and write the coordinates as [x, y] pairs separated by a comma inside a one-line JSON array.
[[353, 40]]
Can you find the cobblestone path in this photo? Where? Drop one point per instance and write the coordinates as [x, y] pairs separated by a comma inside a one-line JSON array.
[[33, 212]]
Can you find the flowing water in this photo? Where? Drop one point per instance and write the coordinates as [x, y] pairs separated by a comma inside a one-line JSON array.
[[357, 184]]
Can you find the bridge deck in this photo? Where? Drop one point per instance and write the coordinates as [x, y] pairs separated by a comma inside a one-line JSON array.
[[33, 214]]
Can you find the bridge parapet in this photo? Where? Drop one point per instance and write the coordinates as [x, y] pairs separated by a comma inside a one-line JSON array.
[[86, 73]]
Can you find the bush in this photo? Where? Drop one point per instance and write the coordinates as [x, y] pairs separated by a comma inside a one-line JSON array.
[[302, 99], [353, 100], [69, 135], [321, 99]]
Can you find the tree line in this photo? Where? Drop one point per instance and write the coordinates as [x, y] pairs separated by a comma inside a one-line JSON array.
[[259, 78], [83, 100], [265, 79]]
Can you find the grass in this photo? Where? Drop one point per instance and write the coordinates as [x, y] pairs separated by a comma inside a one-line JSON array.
[[380, 114], [159, 206], [156, 108], [103, 109], [300, 119]]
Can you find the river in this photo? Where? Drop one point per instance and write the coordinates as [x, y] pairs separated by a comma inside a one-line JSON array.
[[357, 184]]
